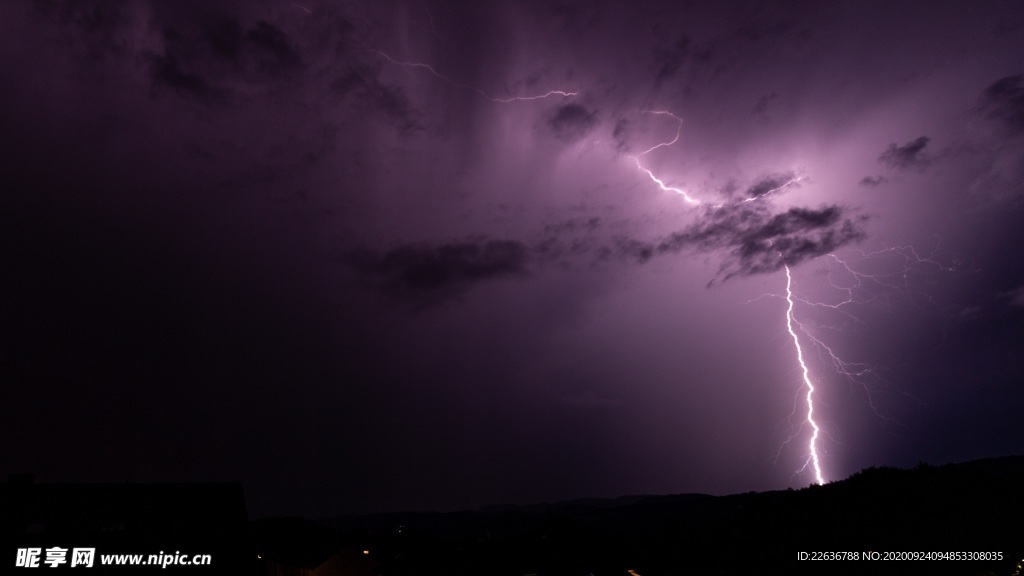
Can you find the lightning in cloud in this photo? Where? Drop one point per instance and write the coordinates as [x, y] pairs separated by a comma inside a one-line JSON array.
[[454, 82], [768, 192], [775, 186]]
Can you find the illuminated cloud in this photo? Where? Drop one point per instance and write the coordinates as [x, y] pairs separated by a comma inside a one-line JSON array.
[[754, 239], [758, 242], [769, 184]]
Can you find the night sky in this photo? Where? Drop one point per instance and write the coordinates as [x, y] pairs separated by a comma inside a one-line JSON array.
[[375, 256]]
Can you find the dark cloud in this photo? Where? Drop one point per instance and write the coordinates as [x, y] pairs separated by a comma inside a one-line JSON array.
[[205, 55], [872, 181], [418, 272], [91, 16], [572, 122], [769, 184], [361, 85], [638, 251], [729, 189], [621, 134], [262, 50], [93, 28], [670, 59], [566, 252], [762, 103], [761, 242], [1004, 101], [573, 225], [910, 155], [758, 242], [167, 72], [765, 30], [568, 239], [1014, 297]]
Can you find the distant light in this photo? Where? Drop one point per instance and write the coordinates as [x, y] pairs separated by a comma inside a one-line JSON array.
[[366, 551]]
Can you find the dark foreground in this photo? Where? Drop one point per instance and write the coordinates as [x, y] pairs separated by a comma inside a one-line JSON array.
[[955, 519], [870, 523]]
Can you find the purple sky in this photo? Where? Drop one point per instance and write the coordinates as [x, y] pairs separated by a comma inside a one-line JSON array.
[[264, 241]]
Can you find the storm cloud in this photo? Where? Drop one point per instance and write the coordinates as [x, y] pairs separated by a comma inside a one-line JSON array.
[[872, 181], [670, 59], [751, 238], [416, 272], [360, 86], [215, 56], [755, 240], [571, 122], [759, 242], [1004, 101], [769, 184], [910, 155]]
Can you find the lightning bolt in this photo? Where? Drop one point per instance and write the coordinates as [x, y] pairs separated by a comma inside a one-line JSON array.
[[858, 285], [813, 459], [813, 444], [791, 323]]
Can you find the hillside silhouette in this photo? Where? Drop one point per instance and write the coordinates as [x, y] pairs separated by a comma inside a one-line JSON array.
[[963, 519], [970, 507]]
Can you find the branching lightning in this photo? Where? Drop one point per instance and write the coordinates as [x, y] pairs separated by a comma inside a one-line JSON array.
[[661, 184], [855, 289], [899, 280], [454, 82]]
